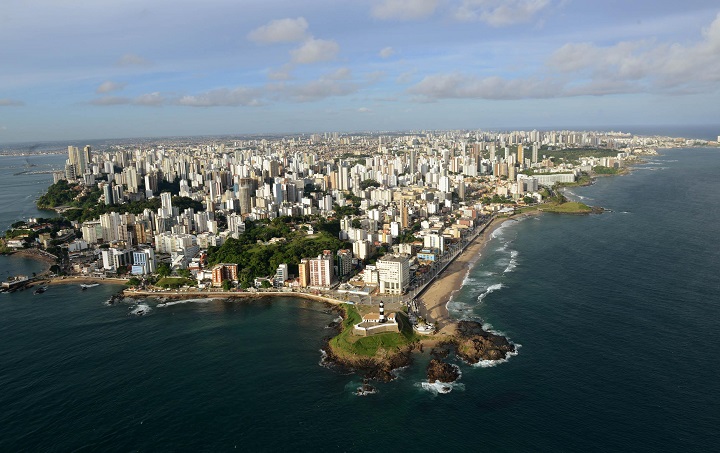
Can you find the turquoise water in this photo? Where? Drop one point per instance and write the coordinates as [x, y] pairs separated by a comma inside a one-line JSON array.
[[616, 314]]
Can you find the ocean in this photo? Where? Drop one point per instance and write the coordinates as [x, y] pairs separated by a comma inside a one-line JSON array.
[[616, 315]]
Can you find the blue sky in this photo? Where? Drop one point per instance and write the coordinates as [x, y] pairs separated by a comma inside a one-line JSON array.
[[76, 69]]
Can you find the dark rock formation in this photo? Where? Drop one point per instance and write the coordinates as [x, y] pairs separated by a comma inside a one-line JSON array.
[[474, 344], [442, 371]]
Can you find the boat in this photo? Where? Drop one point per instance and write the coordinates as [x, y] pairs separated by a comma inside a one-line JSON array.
[[92, 285], [40, 290]]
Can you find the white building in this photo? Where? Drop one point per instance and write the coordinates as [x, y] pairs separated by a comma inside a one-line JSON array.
[[394, 274]]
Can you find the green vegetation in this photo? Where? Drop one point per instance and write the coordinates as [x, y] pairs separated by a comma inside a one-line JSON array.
[[58, 194], [260, 260], [369, 183], [175, 282], [497, 199], [85, 204], [601, 170], [574, 154], [570, 207], [347, 343]]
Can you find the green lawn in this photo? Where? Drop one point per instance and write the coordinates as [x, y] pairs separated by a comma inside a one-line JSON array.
[[570, 207], [346, 342], [174, 282]]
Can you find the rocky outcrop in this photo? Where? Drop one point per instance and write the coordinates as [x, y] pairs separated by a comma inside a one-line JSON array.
[[474, 344], [374, 368], [442, 371]]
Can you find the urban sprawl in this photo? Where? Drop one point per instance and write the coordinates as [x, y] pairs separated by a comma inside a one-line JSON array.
[[367, 214]]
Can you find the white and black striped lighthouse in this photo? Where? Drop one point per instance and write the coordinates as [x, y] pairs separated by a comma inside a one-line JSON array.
[[382, 312]]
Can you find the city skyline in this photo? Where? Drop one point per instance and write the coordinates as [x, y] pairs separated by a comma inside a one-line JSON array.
[[126, 69]]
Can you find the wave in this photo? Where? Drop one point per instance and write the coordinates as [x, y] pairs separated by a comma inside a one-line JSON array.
[[185, 301], [438, 388], [513, 262], [140, 310], [490, 289], [492, 363]]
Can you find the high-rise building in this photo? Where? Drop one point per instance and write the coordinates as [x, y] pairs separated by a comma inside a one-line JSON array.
[[394, 274]]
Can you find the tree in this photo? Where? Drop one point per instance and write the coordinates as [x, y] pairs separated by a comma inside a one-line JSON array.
[[163, 269], [134, 281], [265, 284], [226, 285], [184, 273], [369, 183]]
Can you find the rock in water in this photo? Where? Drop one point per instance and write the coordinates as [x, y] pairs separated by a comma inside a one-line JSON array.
[[442, 371], [475, 344]]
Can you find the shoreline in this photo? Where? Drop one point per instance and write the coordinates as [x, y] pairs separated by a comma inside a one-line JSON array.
[[434, 301]]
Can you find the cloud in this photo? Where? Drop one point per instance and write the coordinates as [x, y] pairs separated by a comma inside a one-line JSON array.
[[405, 77], [109, 87], [339, 74], [364, 110], [281, 30], [10, 102], [387, 52], [499, 13], [111, 100], [224, 97], [584, 69], [404, 9], [314, 90], [646, 65], [131, 59], [150, 100], [464, 86], [315, 50]]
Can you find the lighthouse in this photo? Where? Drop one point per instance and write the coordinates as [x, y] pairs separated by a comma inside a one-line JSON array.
[[382, 312]]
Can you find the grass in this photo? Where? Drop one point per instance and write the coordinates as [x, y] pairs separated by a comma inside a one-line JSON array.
[[174, 282], [348, 343], [570, 207]]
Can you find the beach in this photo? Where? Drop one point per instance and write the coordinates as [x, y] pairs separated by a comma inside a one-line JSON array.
[[433, 302]]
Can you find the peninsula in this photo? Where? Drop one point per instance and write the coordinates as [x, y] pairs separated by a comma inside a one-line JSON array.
[[362, 221]]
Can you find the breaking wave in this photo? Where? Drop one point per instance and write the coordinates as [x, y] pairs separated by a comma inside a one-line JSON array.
[[140, 309], [184, 301], [437, 387], [490, 289]]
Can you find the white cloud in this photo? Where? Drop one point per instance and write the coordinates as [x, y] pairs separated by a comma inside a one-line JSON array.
[[224, 97], [10, 102], [154, 99], [387, 52], [109, 87], [111, 100], [584, 69], [364, 110], [499, 13], [314, 90], [131, 59], [645, 65], [315, 50], [281, 30], [338, 74], [464, 86], [150, 99], [404, 9]]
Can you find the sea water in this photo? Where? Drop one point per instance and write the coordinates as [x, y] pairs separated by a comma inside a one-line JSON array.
[[616, 314]]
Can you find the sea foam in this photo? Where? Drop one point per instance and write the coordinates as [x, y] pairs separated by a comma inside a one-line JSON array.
[[437, 387], [490, 289], [140, 310]]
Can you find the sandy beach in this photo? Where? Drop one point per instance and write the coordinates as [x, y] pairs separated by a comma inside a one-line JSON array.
[[433, 302]]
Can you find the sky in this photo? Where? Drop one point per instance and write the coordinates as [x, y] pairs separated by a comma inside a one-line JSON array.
[[94, 69]]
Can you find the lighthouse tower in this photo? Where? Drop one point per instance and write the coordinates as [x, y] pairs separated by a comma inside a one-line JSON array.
[[382, 312]]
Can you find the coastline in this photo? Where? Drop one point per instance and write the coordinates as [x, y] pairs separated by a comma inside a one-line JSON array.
[[434, 301]]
